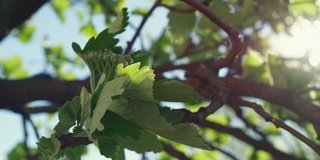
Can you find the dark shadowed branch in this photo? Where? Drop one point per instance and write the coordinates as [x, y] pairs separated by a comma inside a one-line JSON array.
[[236, 48], [277, 122], [144, 20], [238, 133], [286, 98], [14, 12], [175, 153]]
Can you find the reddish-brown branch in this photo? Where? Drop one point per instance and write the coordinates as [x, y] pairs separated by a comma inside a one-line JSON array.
[[236, 43], [277, 122], [14, 12], [70, 141], [15, 93], [238, 133], [212, 146], [144, 20], [173, 152], [286, 98]]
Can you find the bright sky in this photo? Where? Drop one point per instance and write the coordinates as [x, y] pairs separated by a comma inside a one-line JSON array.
[[303, 40]]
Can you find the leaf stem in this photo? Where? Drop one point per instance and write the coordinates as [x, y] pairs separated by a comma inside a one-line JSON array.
[[92, 81]]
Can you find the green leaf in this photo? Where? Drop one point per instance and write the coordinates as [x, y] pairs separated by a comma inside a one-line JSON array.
[[187, 134], [305, 8], [109, 89], [181, 23], [73, 153], [109, 147], [88, 29], [160, 49], [85, 105], [76, 47], [59, 6], [171, 116], [140, 80], [140, 11], [48, 147], [89, 46], [121, 126], [147, 116], [19, 152], [175, 91], [142, 57], [26, 33], [119, 24], [298, 78], [148, 142], [105, 40], [68, 115], [12, 68]]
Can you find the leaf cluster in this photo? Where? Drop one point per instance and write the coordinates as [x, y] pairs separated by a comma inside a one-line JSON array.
[[122, 110]]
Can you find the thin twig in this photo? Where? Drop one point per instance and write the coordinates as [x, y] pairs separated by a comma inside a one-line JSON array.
[[236, 42], [238, 133], [24, 122], [35, 129], [277, 122], [144, 20], [175, 153], [233, 34], [238, 112], [180, 10], [212, 146], [216, 85]]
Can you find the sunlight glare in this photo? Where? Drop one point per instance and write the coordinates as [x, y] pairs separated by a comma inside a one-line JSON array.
[[305, 39]]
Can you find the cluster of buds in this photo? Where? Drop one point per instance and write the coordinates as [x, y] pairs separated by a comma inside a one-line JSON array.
[[103, 61]]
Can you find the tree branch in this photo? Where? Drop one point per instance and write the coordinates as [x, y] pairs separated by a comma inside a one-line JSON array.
[[70, 141], [277, 122], [236, 43], [173, 152], [212, 146], [286, 98], [144, 20], [14, 12], [238, 133], [14, 93]]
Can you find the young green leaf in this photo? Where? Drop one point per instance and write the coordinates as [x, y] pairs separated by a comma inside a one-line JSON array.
[[105, 40], [119, 24], [175, 91], [69, 113], [85, 97], [48, 147], [89, 46], [140, 81], [148, 142], [109, 89], [76, 48]]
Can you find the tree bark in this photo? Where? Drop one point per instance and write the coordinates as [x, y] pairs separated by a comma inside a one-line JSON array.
[[14, 12]]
